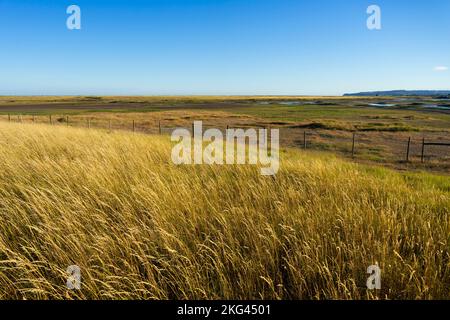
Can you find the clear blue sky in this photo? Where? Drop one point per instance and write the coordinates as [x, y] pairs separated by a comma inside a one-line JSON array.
[[314, 47]]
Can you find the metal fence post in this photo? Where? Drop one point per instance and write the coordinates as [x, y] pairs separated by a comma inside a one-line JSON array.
[[407, 149], [423, 150], [353, 144]]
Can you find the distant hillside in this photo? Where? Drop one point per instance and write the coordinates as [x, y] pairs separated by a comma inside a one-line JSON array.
[[400, 93]]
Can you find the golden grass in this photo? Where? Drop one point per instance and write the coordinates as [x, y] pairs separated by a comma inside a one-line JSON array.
[[145, 120], [140, 227]]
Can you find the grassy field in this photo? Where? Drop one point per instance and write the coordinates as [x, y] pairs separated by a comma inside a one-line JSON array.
[[140, 227], [382, 131], [333, 113]]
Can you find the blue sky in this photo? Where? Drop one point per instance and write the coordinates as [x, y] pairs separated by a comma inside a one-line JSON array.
[[176, 47]]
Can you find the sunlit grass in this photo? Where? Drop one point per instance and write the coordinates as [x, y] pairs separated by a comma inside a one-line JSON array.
[[140, 227]]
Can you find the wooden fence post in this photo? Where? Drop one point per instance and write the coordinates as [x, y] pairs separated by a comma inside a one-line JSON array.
[[407, 149], [67, 120], [134, 126], [193, 129], [304, 140], [50, 118], [9, 117], [353, 144], [423, 150], [159, 127]]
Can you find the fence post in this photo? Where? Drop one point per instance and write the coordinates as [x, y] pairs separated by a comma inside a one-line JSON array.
[[423, 150], [159, 127], [192, 129], [407, 149], [67, 120], [304, 140], [34, 118], [134, 126], [9, 117], [353, 144], [50, 117]]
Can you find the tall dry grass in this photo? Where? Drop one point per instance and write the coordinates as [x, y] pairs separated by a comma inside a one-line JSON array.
[[140, 227]]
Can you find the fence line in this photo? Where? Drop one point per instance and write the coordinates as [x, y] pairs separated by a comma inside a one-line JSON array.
[[441, 144], [306, 143]]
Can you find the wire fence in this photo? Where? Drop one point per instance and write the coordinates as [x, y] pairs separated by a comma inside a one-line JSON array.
[[379, 146], [373, 145]]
